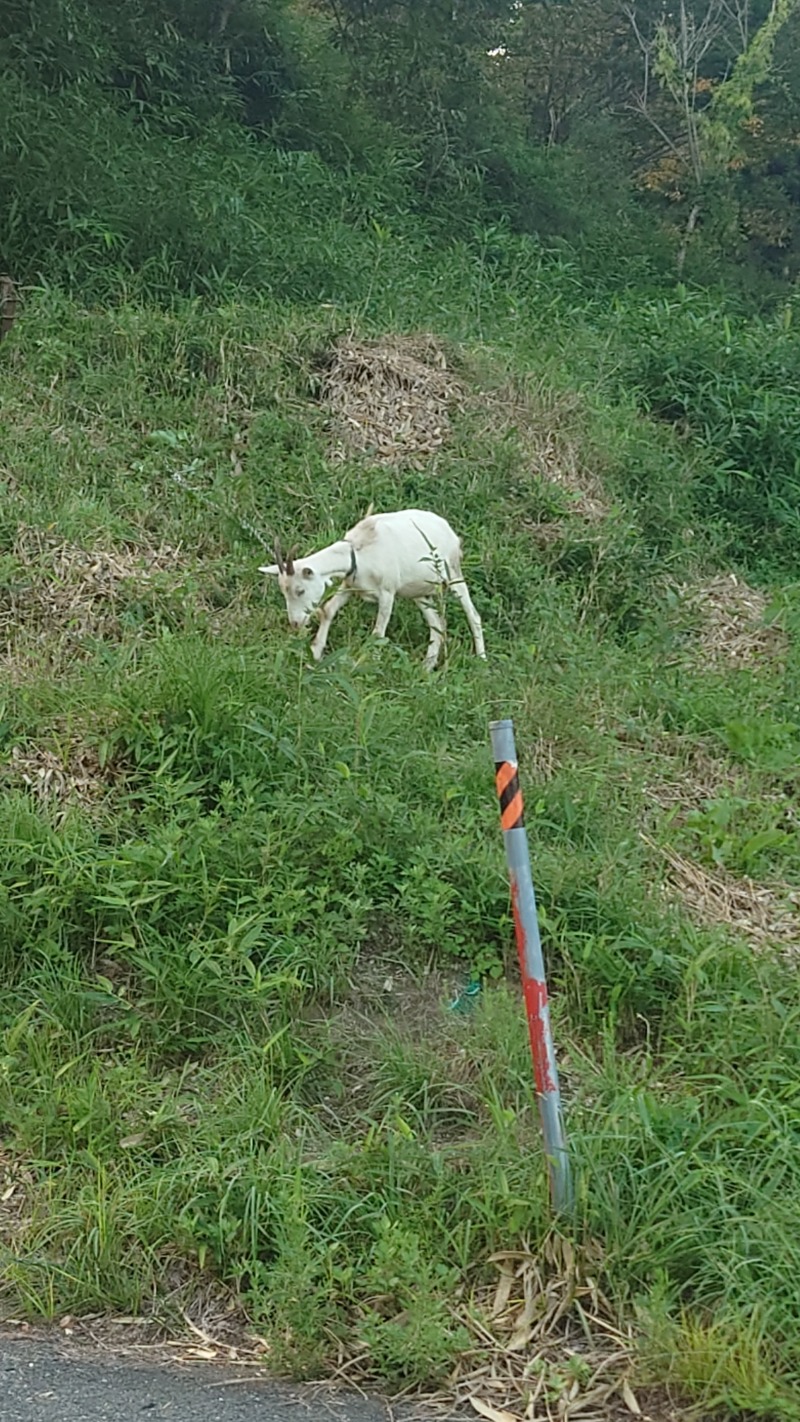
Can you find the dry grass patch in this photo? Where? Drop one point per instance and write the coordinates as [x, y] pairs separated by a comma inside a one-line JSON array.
[[543, 420], [731, 626], [547, 1341], [766, 916], [541, 760], [695, 778], [391, 399], [16, 1198], [717, 898], [81, 587], [63, 593], [60, 779]]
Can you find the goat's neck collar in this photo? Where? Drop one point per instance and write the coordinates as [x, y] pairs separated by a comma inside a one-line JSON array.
[[351, 571]]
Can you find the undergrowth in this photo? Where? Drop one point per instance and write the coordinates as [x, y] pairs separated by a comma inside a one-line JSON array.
[[209, 849]]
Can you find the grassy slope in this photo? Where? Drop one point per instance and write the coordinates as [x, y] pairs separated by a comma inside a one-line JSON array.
[[184, 1075]]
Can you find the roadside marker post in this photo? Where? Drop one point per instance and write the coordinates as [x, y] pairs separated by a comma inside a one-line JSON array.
[[531, 962]]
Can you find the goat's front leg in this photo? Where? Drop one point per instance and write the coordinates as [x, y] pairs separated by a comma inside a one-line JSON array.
[[328, 611], [385, 605]]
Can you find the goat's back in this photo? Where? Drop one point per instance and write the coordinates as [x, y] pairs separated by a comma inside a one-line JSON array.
[[407, 525], [405, 550]]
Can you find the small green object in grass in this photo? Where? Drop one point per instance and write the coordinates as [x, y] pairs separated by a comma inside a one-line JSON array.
[[466, 999]]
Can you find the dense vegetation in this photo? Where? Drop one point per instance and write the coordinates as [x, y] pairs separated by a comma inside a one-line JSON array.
[[236, 892]]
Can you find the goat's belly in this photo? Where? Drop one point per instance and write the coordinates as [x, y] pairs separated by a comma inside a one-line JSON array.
[[425, 587]]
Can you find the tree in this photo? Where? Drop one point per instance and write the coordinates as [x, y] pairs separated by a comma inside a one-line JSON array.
[[701, 75], [566, 61], [425, 65]]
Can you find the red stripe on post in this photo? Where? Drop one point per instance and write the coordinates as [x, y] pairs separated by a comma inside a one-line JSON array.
[[535, 996], [535, 1004]]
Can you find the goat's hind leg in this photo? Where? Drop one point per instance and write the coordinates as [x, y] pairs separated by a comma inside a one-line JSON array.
[[385, 605], [435, 622], [460, 590]]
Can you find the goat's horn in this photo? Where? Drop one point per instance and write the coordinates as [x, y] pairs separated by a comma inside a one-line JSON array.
[[279, 558], [290, 560]]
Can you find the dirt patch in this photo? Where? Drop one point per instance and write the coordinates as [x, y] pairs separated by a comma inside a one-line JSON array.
[[382, 986], [765, 916], [390, 399], [206, 1325], [731, 627], [399, 1032]]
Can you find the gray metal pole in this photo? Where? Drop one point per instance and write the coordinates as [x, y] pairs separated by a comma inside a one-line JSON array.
[[531, 961]]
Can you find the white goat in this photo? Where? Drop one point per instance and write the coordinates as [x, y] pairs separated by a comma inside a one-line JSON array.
[[407, 554]]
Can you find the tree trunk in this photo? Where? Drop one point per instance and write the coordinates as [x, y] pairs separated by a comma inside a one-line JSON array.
[[691, 223]]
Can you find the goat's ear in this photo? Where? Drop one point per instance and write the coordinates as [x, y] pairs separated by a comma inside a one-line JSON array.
[[308, 572], [271, 569]]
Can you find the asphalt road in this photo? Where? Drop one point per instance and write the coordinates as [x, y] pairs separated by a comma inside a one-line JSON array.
[[42, 1379]]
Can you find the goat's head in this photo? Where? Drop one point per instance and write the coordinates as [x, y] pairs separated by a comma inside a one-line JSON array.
[[302, 586]]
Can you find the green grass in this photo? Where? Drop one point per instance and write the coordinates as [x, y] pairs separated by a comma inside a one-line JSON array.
[[183, 1071]]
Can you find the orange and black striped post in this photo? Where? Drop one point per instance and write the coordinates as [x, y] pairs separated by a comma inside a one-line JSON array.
[[531, 962]]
